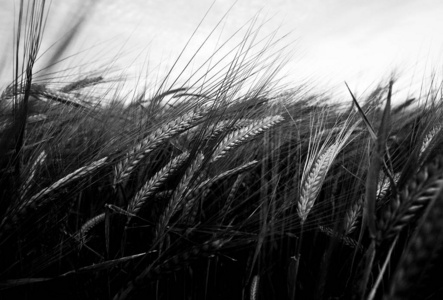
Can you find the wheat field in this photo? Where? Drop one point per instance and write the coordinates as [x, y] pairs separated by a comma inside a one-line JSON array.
[[232, 191]]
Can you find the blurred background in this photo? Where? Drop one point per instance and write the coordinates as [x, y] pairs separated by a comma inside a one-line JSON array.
[[325, 42]]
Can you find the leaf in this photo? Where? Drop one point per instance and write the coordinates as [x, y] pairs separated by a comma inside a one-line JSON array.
[[363, 115]]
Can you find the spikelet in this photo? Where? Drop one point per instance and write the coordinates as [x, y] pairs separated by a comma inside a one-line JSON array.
[[240, 136], [155, 183], [155, 139]]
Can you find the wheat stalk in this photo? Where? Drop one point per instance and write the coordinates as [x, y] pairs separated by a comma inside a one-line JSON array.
[[315, 170], [384, 186], [240, 136], [254, 287], [423, 250], [429, 138], [88, 225], [313, 182], [352, 215], [65, 98], [177, 198], [42, 198], [411, 200], [155, 139], [82, 83], [211, 131], [153, 184]]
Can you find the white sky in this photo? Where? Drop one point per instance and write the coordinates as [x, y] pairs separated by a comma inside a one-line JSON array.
[[360, 42]]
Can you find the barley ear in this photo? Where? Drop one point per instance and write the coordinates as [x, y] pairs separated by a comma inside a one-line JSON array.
[[374, 169], [369, 209], [82, 83], [313, 181], [91, 223], [43, 197], [177, 200], [411, 200], [65, 98], [352, 215], [429, 138], [315, 170], [422, 252], [150, 143], [254, 287], [153, 184], [238, 137]]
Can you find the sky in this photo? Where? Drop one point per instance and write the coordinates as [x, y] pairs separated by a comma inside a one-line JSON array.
[[326, 42]]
